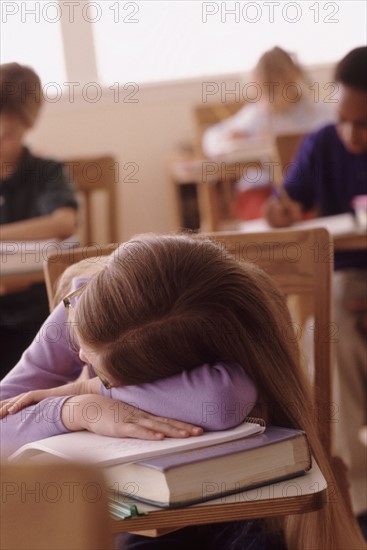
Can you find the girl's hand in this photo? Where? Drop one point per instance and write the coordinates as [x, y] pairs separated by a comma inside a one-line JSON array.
[[236, 134], [106, 416], [19, 402]]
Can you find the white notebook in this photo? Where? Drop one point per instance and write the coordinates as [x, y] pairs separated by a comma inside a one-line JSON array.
[[89, 447], [341, 224]]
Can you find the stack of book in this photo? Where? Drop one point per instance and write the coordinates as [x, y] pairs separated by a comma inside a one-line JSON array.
[[181, 472]]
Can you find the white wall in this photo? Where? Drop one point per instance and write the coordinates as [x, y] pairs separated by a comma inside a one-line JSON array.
[[145, 133]]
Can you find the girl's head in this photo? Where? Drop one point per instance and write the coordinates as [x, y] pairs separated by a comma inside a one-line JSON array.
[[164, 304], [280, 78]]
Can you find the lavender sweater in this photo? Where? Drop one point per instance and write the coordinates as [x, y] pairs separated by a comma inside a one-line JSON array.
[[215, 397]]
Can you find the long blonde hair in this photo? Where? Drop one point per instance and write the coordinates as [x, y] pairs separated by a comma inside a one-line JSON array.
[[282, 79], [164, 304]]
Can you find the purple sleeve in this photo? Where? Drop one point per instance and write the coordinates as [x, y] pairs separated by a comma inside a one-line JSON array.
[[32, 423], [48, 362], [300, 176], [216, 397]]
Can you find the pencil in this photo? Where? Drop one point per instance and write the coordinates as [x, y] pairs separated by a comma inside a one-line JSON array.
[[283, 196]]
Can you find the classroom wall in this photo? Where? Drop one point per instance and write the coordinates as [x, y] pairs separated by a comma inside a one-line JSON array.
[[144, 133]]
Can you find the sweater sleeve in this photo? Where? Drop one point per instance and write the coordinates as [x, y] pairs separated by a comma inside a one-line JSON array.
[[56, 189], [215, 397], [30, 424], [48, 362]]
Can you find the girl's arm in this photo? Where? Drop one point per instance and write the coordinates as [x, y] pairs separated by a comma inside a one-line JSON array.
[[41, 413], [95, 413], [59, 224], [30, 424], [49, 361], [247, 122], [215, 397]]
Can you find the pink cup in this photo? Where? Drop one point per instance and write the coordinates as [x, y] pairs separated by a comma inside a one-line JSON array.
[[359, 204]]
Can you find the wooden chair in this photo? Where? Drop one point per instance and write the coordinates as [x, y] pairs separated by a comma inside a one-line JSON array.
[[300, 262], [206, 115], [286, 146], [95, 179], [219, 195], [54, 506], [58, 262]]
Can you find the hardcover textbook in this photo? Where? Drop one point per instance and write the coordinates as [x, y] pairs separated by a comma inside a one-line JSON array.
[[197, 475]]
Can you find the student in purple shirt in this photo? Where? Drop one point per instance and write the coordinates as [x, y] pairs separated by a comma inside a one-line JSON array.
[[329, 171], [159, 308]]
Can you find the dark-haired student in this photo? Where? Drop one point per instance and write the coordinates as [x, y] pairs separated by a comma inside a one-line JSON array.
[[329, 171], [37, 202]]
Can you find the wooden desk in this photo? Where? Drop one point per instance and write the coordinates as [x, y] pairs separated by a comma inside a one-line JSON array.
[[20, 281], [343, 229], [21, 262], [352, 241], [295, 496], [204, 173]]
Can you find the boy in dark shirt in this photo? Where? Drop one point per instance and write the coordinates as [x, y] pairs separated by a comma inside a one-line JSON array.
[[36, 202], [329, 171]]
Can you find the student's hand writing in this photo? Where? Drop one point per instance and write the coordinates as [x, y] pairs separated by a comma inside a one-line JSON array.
[[19, 402], [106, 416], [235, 134], [279, 215]]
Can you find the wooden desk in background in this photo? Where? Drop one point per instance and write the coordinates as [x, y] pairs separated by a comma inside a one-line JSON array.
[[21, 262], [343, 229], [205, 173], [20, 266]]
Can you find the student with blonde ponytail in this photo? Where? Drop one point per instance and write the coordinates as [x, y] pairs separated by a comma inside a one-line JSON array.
[[164, 321]]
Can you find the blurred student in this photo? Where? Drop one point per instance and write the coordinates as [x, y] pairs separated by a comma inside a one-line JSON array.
[[329, 171], [36, 202], [285, 105]]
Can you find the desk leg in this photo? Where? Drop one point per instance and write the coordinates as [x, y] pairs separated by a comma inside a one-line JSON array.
[[209, 218]]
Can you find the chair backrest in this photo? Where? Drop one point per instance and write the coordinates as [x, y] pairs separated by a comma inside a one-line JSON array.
[[54, 506], [207, 115], [301, 263], [95, 179], [55, 264], [286, 146]]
